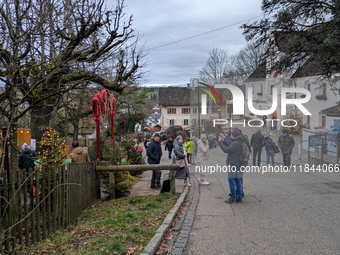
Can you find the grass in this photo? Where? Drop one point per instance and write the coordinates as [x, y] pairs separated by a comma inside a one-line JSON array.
[[152, 93], [121, 226]]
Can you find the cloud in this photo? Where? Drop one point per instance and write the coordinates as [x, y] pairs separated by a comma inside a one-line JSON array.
[[162, 22]]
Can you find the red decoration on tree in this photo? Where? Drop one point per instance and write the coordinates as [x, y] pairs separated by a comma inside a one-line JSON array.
[[101, 104]]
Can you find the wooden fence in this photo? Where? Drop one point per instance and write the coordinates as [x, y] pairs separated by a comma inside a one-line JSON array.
[[51, 198]]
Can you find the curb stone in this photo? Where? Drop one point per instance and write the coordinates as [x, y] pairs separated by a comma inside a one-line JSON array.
[[154, 243]]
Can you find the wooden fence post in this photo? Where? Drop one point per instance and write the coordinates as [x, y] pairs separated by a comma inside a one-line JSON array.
[[112, 185], [172, 182]]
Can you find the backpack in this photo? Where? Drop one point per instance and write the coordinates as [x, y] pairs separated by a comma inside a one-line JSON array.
[[244, 157]]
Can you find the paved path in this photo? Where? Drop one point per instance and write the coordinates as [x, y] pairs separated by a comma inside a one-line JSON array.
[[282, 213]]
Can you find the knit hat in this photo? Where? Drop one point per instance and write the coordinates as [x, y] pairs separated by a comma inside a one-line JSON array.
[[267, 135], [203, 136], [25, 146], [156, 135], [179, 137], [235, 133], [236, 129]]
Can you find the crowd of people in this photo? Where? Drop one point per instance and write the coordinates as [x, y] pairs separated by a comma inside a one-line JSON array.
[[237, 146]]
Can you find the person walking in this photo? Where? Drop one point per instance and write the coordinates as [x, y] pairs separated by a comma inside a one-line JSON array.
[[269, 147], [203, 153], [154, 153], [286, 144], [257, 142], [169, 145], [183, 172], [190, 145], [264, 119], [26, 159], [79, 154], [234, 151]]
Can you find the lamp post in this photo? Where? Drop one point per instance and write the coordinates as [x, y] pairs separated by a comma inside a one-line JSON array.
[[198, 109]]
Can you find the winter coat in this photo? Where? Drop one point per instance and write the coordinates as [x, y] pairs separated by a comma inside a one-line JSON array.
[[234, 151], [286, 144], [269, 145], [80, 155], [202, 153], [195, 142], [247, 142], [183, 173], [257, 140], [191, 147], [145, 143], [26, 159], [154, 152], [169, 145]]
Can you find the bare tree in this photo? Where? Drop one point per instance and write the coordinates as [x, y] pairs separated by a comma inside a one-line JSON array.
[[247, 60], [51, 47], [217, 67]]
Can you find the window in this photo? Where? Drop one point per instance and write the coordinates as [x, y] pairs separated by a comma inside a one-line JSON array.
[[252, 86], [324, 89], [214, 110], [308, 119], [186, 122], [171, 110], [185, 110], [261, 89], [271, 89], [172, 122], [202, 121], [194, 110], [272, 62], [308, 87], [194, 122], [323, 121]]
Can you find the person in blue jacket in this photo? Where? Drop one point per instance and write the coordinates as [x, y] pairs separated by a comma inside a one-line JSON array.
[[154, 153], [169, 145], [234, 151]]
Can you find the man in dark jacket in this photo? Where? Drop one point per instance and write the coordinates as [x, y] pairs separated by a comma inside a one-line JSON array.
[[26, 158], [257, 142], [154, 153], [234, 151], [286, 144], [169, 145]]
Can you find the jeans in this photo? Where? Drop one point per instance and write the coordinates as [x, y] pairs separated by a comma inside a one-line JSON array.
[[194, 156], [170, 154], [270, 154], [286, 159], [156, 177], [189, 157], [258, 153], [238, 182]]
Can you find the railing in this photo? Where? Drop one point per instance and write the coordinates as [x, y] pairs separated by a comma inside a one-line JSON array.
[[33, 207], [323, 151], [132, 168]]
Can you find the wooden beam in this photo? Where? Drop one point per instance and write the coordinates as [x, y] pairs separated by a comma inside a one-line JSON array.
[[137, 168]]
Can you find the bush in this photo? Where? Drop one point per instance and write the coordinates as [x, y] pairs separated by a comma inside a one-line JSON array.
[[118, 153], [171, 132], [183, 134]]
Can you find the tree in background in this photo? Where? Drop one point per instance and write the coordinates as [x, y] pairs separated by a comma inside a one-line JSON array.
[[307, 30], [209, 127], [131, 105], [247, 60], [171, 132]]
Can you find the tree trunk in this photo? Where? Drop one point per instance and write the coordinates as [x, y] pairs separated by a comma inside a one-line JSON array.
[[40, 118], [75, 131]]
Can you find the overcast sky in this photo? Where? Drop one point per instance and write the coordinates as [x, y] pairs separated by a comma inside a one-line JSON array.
[[165, 21]]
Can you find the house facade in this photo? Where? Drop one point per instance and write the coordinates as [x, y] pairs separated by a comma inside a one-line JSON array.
[[177, 109], [306, 76]]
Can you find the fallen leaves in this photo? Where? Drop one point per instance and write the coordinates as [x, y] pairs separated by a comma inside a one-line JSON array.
[[193, 250], [192, 234]]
